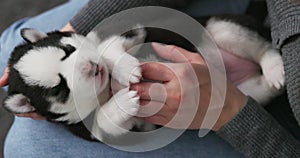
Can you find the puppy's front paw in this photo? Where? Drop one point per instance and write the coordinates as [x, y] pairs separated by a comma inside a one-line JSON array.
[[127, 70], [127, 102], [273, 70]]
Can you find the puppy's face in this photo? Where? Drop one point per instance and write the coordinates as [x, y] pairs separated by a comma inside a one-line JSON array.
[[56, 75]]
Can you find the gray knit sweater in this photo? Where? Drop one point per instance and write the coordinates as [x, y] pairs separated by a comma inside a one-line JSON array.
[[253, 131], [97, 10]]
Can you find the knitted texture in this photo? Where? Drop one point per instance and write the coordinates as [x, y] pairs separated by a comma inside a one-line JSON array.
[[285, 20], [255, 133], [97, 10], [284, 15], [291, 57]]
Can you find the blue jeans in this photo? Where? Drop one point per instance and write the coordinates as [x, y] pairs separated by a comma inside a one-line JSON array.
[[34, 139], [31, 139]]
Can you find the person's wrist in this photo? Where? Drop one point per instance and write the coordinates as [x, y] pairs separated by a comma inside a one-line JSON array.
[[235, 100]]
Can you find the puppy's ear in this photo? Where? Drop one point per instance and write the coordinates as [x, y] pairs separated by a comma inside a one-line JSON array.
[[18, 103], [32, 35]]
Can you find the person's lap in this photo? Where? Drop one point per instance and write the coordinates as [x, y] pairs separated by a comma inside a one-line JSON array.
[[30, 138]]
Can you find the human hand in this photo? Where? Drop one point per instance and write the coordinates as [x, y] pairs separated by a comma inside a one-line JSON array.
[[175, 89], [32, 115], [4, 78]]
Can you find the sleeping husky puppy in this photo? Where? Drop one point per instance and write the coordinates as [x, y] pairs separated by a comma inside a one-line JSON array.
[[43, 73], [54, 74]]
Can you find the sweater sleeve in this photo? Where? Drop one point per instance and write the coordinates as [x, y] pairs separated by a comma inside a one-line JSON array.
[[255, 133], [97, 10], [285, 22]]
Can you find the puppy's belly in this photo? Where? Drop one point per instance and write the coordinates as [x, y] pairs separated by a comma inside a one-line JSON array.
[[238, 69], [105, 95]]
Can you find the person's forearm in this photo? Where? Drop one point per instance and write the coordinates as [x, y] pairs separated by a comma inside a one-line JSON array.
[[285, 26], [97, 10], [285, 20], [255, 133]]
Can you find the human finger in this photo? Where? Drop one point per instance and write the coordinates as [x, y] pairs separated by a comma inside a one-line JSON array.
[[168, 117], [149, 108], [4, 78], [156, 119], [156, 71], [32, 115], [151, 91], [177, 54]]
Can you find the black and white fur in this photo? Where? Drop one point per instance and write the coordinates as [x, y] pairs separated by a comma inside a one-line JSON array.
[[42, 71], [42, 74], [242, 36]]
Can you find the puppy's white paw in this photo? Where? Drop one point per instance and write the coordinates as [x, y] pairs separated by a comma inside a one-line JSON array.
[[127, 102], [127, 70], [273, 70], [116, 117], [275, 76]]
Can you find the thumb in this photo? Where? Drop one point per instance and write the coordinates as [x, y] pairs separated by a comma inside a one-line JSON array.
[[177, 54]]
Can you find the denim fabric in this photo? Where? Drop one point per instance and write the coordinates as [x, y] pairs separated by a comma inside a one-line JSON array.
[[34, 139]]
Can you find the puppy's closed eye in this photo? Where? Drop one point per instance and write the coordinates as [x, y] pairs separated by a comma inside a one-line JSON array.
[[69, 49], [61, 91]]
